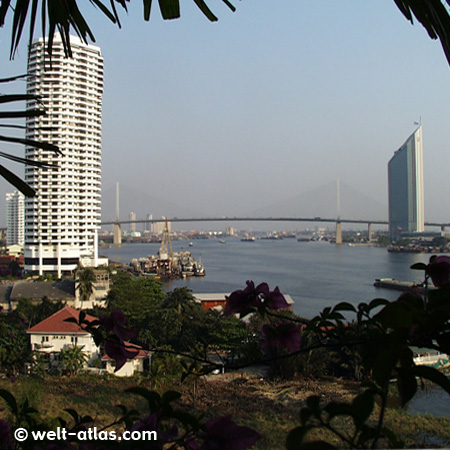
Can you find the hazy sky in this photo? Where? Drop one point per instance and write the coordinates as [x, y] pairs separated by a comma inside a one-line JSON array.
[[268, 102]]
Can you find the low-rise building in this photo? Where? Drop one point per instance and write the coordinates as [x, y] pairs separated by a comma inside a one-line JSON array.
[[55, 334], [100, 290], [218, 300], [138, 363]]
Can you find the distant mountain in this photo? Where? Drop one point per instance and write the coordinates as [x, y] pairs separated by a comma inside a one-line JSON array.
[[141, 203], [322, 202]]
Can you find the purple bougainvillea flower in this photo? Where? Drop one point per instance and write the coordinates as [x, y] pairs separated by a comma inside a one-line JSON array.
[[244, 301], [115, 323], [149, 423], [223, 434], [191, 444], [119, 353], [5, 435], [439, 270], [275, 300], [252, 298], [282, 335]]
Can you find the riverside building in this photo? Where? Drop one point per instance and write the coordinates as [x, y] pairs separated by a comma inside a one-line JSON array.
[[405, 184], [62, 220]]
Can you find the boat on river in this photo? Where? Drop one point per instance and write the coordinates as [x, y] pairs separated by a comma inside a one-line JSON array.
[[392, 283]]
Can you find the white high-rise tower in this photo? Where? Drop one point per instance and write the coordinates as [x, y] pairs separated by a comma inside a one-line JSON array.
[[62, 221], [15, 218]]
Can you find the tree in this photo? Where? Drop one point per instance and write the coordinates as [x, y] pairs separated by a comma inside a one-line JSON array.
[[73, 359], [86, 279]]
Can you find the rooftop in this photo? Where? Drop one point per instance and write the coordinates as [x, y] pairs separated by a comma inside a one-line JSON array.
[[55, 324]]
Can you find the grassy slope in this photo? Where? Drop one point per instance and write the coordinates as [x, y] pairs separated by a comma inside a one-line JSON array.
[[270, 408]]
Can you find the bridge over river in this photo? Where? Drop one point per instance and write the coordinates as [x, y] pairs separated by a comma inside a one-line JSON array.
[[118, 233]]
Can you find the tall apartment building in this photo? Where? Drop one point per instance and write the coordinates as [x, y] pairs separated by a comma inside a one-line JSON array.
[[406, 193], [15, 209], [62, 221]]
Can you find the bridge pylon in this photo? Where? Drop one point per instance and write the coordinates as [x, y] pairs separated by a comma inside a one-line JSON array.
[[338, 233], [117, 234], [369, 232]]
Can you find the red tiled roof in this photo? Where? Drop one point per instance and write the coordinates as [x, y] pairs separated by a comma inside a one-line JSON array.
[[141, 352], [56, 323]]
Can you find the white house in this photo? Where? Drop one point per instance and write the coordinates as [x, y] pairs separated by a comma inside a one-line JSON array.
[[132, 365], [55, 334]]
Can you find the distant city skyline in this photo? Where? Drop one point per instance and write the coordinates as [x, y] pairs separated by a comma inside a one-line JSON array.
[[266, 104]]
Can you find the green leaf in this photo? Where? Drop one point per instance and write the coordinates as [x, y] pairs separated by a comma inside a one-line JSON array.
[[393, 439], [152, 397], [10, 400], [186, 419], [433, 375], [305, 414], [313, 402], [29, 162], [335, 409], [105, 10], [295, 437], [205, 10], [170, 396], [170, 9], [73, 413], [344, 306], [229, 5], [31, 143], [406, 384], [375, 303], [363, 406], [419, 266], [147, 9]]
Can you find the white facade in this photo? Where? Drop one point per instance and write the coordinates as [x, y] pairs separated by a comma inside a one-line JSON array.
[[62, 221], [53, 343], [15, 209]]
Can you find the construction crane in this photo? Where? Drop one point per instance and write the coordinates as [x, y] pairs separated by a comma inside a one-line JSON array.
[[165, 262]]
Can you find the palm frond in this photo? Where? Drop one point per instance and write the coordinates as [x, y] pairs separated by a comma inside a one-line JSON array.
[[17, 182], [27, 161], [434, 15], [17, 114], [7, 98], [17, 77], [65, 17], [31, 143]]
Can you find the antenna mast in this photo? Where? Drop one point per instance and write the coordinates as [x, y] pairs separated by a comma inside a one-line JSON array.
[[117, 201], [338, 200]]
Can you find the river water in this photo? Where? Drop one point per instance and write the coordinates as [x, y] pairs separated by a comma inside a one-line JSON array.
[[314, 274]]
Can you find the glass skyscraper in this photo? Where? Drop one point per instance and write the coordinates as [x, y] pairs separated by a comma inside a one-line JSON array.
[[405, 181]]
